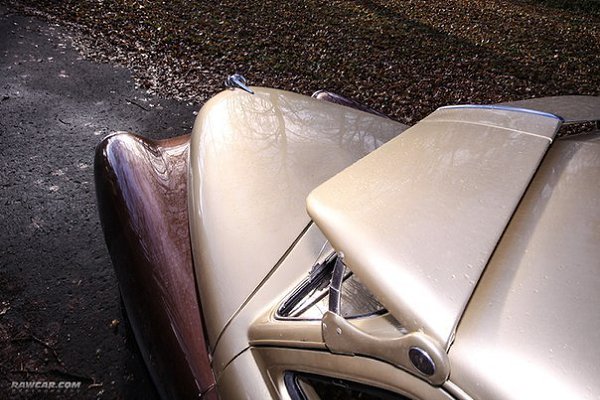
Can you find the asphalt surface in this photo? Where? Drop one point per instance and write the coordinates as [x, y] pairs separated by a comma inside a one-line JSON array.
[[60, 317]]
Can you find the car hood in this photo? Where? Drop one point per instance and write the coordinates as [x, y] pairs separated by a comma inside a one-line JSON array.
[[253, 160]]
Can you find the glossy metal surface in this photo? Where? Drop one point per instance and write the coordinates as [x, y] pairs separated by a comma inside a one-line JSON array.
[[295, 267], [245, 379], [257, 326], [141, 187], [532, 328], [418, 219], [275, 361], [344, 101], [254, 159]]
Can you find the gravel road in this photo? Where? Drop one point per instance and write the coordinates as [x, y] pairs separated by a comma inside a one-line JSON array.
[[59, 310]]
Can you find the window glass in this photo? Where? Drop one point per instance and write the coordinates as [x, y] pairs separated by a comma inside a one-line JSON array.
[[302, 386], [310, 299]]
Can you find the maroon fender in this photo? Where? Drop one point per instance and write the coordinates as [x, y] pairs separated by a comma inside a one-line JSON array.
[[141, 187]]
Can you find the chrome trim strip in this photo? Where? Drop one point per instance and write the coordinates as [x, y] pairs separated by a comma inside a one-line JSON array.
[[456, 391], [504, 108]]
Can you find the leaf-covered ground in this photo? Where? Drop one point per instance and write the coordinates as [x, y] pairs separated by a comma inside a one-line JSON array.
[[403, 57]]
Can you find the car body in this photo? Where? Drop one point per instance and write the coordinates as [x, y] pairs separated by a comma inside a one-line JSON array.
[[299, 247]]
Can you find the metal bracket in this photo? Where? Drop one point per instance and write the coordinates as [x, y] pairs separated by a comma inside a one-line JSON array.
[[415, 352]]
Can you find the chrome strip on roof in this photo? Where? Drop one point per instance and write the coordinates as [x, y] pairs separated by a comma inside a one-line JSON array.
[[504, 108]]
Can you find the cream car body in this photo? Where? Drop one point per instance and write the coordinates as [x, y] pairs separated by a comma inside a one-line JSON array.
[[476, 230], [418, 221]]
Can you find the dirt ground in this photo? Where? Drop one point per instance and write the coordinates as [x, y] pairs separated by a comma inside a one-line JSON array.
[[60, 318]]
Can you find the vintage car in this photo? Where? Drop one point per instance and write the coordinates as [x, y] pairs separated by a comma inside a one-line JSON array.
[[299, 247]]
